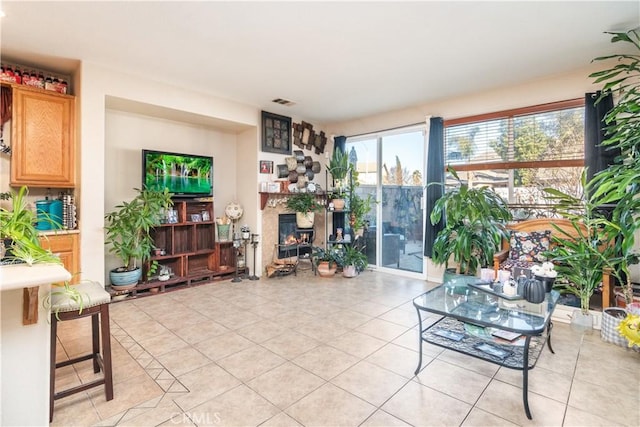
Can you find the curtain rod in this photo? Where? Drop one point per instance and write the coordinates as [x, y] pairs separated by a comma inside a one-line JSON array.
[[386, 130]]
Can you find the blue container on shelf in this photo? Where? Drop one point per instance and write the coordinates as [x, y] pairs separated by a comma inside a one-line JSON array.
[[49, 214]]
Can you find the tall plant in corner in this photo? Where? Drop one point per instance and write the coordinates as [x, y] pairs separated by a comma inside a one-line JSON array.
[[475, 224], [619, 184], [129, 227]]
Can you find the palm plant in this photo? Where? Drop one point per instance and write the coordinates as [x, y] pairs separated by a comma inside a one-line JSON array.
[[475, 221], [619, 184], [582, 258]]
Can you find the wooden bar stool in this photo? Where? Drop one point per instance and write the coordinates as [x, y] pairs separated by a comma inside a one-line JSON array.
[[95, 304]]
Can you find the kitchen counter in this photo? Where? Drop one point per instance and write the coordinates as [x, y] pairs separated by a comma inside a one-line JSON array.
[[18, 276], [25, 349]]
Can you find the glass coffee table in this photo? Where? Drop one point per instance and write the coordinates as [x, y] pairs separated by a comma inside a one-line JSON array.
[[510, 332]]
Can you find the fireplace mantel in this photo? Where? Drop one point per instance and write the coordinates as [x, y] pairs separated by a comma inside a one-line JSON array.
[[264, 197]]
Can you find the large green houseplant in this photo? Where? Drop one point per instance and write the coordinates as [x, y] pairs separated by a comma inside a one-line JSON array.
[[129, 232], [619, 184], [475, 220]]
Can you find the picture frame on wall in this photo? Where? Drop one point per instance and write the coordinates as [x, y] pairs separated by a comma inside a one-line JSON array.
[[266, 166], [276, 133]]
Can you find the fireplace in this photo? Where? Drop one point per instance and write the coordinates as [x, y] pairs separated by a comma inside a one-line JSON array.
[[291, 239]]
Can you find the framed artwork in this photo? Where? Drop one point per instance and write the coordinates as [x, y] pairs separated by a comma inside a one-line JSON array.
[[266, 166], [276, 133]]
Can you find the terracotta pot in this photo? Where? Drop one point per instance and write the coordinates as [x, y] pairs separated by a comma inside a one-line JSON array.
[[338, 204], [324, 270]]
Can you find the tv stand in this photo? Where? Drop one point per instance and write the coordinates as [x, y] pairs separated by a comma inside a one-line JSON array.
[[190, 251]]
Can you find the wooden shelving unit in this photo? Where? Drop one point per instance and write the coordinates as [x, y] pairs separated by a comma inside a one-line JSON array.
[[191, 252]]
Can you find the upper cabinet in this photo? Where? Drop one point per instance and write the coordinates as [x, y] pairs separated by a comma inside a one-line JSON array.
[[43, 139]]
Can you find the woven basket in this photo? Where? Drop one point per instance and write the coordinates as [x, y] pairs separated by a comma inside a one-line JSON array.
[[610, 322]]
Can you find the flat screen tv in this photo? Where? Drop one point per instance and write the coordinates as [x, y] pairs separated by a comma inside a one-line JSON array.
[[184, 175]]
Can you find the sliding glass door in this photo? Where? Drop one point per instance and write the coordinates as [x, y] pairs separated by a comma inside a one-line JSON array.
[[391, 167]]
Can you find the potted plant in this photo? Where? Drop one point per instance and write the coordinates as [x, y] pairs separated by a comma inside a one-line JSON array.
[[619, 184], [582, 256], [352, 260], [475, 220], [339, 168], [18, 235], [128, 233], [304, 205], [359, 208], [326, 260]]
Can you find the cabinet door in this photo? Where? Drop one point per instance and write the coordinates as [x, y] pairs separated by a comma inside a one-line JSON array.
[[65, 246], [43, 129]]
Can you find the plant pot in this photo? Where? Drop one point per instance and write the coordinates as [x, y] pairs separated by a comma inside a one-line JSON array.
[[305, 220], [125, 279], [611, 318], [338, 204], [581, 321], [349, 271], [324, 270], [223, 232]]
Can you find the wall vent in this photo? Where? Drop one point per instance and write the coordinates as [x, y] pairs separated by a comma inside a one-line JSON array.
[[283, 101]]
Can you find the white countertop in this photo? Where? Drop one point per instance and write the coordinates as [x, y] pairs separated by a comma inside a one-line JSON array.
[[19, 276]]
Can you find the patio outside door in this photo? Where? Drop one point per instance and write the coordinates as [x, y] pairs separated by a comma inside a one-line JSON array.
[[391, 167]]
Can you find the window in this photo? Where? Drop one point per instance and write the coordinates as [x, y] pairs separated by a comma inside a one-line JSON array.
[[520, 152]]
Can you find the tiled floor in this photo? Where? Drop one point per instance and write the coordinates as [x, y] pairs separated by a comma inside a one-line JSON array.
[[327, 352]]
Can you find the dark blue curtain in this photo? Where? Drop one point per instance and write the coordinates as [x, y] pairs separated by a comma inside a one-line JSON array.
[[339, 143], [435, 179], [597, 157]]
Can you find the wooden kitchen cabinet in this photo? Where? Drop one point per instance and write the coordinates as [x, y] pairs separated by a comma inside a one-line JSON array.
[[42, 139], [67, 247]]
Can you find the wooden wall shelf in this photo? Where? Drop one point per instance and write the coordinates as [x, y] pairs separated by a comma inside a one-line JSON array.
[[264, 197]]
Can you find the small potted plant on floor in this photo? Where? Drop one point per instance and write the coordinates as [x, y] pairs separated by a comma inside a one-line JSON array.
[[352, 260], [129, 234], [325, 261], [305, 206]]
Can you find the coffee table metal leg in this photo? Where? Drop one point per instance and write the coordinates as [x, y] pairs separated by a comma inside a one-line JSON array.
[[549, 337], [525, 376], [419, 342]]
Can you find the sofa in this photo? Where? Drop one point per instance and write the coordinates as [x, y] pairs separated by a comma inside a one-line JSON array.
[[528, 239]]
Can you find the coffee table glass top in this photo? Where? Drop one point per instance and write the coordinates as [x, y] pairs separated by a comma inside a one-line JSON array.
[[457, 299]]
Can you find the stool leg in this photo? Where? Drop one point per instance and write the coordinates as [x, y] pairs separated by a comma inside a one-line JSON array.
[[96, 342], [106, 350], [52, 368]]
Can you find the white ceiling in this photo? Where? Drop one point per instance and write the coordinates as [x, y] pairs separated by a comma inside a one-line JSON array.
[[336, 60]]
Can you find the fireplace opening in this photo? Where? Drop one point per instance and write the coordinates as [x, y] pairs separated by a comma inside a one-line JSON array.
[[292, 240]]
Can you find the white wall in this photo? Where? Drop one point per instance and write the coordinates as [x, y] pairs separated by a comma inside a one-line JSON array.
[[126, 134], [95, 84]]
